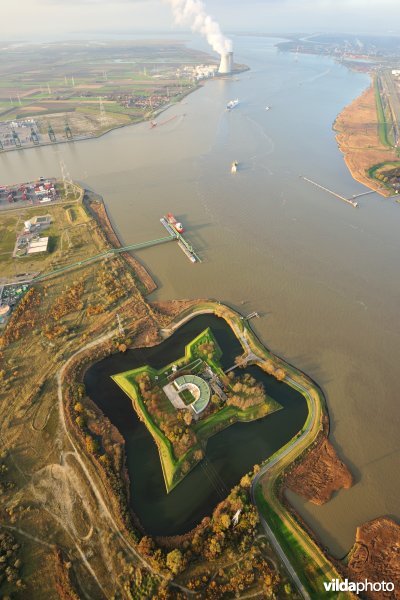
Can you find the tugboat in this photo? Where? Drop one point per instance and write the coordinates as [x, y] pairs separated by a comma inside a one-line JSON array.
[[234, 166], [174, 223]]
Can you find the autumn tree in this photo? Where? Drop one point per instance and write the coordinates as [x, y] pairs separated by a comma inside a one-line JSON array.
[[80, 421], [92, 445], [240, 361], [146, 546], [175, 561], [269, 366], [188, 417], [225, 521], [245, 482], [213, 548], [198, 455]]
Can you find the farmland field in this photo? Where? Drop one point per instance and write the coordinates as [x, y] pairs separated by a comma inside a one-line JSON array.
[[52, 92]]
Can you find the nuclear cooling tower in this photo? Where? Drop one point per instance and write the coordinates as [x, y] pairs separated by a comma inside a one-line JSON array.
[[226, 64]]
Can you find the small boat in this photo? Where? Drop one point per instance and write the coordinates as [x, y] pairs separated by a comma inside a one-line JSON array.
[[234, 166], [232, 103], [267, 107], [153, 124]]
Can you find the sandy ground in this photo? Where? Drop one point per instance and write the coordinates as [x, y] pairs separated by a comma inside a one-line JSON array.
[[357, 135]]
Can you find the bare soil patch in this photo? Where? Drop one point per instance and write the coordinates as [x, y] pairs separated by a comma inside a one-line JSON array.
[[376, 556], [319, 474]]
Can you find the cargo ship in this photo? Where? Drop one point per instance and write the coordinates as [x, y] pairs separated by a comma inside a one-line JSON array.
[[174, 223], [232, 103]]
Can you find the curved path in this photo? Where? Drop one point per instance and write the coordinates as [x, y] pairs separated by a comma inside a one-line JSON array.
[[269, 473], [273, 462]]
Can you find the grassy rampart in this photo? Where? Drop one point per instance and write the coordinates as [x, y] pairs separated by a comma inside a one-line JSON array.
[[204, 428]]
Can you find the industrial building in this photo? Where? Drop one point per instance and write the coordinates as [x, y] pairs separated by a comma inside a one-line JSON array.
[[38, 245], [226, 64]]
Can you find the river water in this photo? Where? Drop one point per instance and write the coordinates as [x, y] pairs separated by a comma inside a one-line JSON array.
[[323, 275]]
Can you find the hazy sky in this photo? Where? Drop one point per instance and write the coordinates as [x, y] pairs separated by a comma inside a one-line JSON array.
[[44, 18]]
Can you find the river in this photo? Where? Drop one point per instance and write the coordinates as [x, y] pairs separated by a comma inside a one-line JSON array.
[[323, 275]]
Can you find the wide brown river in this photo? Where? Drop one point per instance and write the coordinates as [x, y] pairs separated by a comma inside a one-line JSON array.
[[322, 275]]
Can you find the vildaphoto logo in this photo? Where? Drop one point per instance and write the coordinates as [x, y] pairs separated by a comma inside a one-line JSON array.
[[336, 585]]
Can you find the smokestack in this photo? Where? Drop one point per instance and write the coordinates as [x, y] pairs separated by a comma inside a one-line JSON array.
[[226, 64]]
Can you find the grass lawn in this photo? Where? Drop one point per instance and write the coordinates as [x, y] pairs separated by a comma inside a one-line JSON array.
[[186, 396], [231, 414]]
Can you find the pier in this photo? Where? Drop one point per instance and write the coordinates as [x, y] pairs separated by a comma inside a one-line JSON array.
[[110, 253], [252, 315], [321, 187], [183, 244], [364, 193]]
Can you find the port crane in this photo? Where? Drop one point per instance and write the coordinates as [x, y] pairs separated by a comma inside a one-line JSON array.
[[68, 132], [34, 136], [15, 138], [51, 134]]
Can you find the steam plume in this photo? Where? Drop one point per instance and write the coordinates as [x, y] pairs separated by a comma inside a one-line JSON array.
[[193, 13]]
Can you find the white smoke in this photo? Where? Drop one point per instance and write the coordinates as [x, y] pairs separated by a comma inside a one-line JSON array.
[[193, 13]]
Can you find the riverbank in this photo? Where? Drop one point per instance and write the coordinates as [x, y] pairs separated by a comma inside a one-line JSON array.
[[357, 135], [143, 119], [99, 134], [97, 208]]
